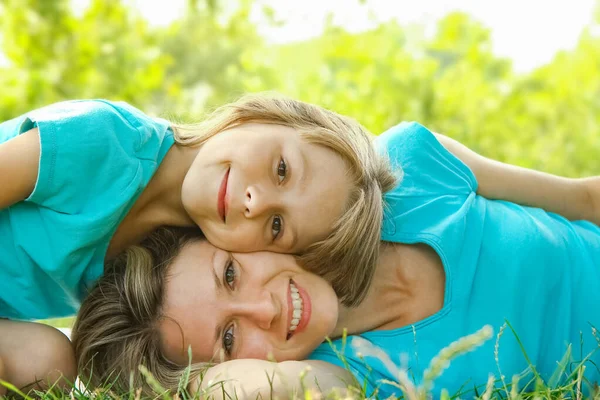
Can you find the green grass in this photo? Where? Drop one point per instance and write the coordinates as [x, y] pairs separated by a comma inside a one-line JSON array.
[[496, 387], [510, 390], [59, 322]]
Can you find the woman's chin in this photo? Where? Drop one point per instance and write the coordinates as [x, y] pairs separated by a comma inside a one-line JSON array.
[[298, 352]]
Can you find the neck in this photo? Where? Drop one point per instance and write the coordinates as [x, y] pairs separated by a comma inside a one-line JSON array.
[[160, 202], [408, 286], [382, 294]]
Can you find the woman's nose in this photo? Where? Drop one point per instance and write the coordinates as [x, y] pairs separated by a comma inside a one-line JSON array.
[[258, 201], [261, 310]]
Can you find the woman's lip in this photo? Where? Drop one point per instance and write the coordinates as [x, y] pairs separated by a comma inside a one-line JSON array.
[[221, 198]]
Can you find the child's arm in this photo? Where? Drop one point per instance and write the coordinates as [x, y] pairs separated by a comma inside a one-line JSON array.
[[250, 379], [19, 163], [574, 199]]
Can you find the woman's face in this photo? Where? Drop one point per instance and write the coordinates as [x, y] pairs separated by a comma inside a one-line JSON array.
[[243, 305], [261, 187]]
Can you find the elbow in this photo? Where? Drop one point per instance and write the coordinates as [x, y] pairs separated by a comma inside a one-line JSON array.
[[242, 378]]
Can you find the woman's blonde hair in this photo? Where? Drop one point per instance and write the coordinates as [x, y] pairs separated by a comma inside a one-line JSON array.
[[117, 327], [347, 258]]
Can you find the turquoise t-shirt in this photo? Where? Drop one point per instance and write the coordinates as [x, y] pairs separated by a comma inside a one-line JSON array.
[[534, 269], [96, 158]]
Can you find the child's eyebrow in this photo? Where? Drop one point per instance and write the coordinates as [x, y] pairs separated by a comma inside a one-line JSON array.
[[294, 235]]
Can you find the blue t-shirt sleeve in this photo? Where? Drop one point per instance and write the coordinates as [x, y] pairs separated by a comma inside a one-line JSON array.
[[96, 158], [87, 146], [433, 183], [11, 128], [428, 169]]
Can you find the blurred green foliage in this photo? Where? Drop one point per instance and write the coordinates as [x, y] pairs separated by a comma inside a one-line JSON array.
[[548, 119]]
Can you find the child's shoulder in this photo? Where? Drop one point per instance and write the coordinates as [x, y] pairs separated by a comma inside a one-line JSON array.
[[90, 111], [100, 121], [111, 144]]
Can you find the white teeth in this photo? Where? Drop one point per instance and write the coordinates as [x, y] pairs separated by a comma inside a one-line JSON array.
[[297, 307]]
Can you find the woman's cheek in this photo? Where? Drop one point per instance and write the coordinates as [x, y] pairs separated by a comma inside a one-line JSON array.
[[256, 346]]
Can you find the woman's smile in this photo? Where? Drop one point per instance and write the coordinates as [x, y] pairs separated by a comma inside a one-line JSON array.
[[299, 309]]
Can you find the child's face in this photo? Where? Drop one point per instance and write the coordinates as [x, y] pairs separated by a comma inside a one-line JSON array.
[[261, 187], [243, 305]]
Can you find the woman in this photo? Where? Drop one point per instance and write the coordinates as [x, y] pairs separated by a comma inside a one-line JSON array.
[[454, 262], [83, 180]]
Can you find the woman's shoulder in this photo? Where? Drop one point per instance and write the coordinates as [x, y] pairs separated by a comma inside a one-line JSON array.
[[406, 133], [435, 187], [427, 168], [413, 150]]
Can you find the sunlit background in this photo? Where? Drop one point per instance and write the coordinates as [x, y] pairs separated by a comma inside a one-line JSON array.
[[530, 32], [516, 80]]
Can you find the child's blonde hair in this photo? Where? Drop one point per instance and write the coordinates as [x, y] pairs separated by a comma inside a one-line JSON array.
[[348, 256]]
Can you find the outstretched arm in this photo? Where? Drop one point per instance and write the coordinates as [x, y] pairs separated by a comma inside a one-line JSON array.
[[574, 199], [252, 379], [19, 163]]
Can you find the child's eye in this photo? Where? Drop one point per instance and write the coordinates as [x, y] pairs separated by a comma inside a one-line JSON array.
[[281, 170]]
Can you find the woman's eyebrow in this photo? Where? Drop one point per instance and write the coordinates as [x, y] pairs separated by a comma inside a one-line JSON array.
[[218, 334], [294, 235], [218, 289]]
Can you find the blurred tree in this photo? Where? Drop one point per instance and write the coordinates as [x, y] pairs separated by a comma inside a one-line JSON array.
[[209, 44], [452, 82], [53, 55], [369, 76], [547, 119], [390, 74], [556, 112]]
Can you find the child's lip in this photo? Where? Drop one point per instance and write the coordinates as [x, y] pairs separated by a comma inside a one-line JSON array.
[[221, 197]]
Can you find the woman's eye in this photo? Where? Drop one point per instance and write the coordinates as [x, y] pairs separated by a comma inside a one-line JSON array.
[[229, 274], [281, 170], [228, 340], [276, 226]]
